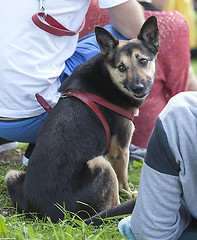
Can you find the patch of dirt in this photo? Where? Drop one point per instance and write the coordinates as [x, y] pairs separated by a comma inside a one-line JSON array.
[[11, 158]]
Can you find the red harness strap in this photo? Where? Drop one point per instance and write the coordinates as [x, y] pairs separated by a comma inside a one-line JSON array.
[[53, 26], [84, 98], [89, 99], [43, 102], [111, 106]]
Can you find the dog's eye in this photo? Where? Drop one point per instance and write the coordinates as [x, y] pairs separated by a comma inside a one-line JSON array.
[[122, 68], [143, 62]]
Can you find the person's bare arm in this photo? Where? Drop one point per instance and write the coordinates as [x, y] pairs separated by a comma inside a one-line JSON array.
[[127, 18], [192, 80], [160, 3]]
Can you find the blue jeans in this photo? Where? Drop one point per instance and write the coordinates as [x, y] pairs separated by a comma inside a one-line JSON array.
[[27, 130]]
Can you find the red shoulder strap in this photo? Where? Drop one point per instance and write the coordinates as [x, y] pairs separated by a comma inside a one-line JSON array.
[[97, 111]]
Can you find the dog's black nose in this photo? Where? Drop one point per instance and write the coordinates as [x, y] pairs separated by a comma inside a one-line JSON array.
[[138, 88]]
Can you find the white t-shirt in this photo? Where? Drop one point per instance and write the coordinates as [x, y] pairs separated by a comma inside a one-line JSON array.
[[31, 59]]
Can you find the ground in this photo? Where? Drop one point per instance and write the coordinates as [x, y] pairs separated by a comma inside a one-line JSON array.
[[10, 158]]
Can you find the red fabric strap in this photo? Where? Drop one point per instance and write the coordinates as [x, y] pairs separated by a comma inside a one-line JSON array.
[[113, 107], [53, 26], [83, 97], [43, 103]]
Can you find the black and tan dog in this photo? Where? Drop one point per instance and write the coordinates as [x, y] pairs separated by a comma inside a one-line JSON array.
[[68, 163]]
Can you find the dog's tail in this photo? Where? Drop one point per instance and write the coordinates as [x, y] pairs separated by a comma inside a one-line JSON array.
[[122, 209], [14, 182]]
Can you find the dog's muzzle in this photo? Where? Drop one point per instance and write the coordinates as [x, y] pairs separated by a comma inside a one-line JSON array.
[[138, 90]]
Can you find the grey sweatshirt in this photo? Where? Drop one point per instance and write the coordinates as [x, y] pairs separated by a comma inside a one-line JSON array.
[[167, 197]]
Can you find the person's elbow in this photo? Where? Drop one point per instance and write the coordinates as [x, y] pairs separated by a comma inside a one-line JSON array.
[[130, 29], [127, 18]]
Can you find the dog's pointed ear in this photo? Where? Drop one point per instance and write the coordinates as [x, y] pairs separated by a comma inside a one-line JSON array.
[[106, 41], [149, 33]]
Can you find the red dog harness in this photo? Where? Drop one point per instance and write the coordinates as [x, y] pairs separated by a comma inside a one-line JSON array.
[[90, 100]]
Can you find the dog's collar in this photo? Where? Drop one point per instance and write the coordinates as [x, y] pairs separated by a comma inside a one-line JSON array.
[[101, 101]]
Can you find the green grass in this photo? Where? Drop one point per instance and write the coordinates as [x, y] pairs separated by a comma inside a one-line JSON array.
[[17, 226], [194, 64]]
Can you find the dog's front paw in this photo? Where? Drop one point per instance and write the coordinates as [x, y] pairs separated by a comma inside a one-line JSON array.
[[125, 191]]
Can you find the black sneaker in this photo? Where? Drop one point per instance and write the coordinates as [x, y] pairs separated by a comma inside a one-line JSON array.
[[28, 153], [6, 145]]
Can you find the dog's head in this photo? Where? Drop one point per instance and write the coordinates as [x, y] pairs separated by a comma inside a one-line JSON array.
[[131, 64]]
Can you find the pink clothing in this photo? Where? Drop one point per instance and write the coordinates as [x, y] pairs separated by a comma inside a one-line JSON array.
[[172, 65], [172, 71]]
